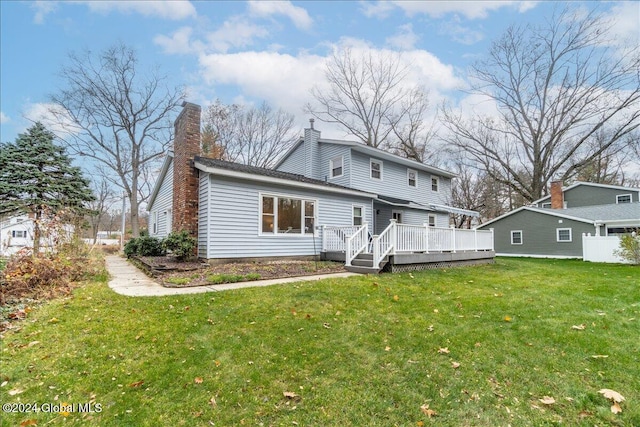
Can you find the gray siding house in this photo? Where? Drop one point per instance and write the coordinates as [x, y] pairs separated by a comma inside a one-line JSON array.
[[243, 212], [544, 231]]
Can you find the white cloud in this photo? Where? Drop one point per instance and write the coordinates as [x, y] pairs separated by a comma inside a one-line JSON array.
[[4, 118], [298, 16], [42, 9], [52, 116], [377, 9], [173, 10], [437, 9], [179, 42], [459, 32], [404, 38], [624, 16], [236, 32], [285, 80]]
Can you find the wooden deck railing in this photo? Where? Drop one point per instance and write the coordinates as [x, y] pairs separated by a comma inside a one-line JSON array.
[[403, 238]]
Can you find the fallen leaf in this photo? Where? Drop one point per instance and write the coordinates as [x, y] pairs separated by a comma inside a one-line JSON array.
[[30, 422], [420, 423], [547, 400], [455, 365], [599, 356], [53, 320], [291, 395], [430, 328], [387, 348], [579, 327], [217, 363], [15, 391], [326, 325], [615, 408], [435, 310], [611, 394], [444, 350], [428, 412], [396, 297], [137, 383], [507, 319], [198, 380], [213, 402]]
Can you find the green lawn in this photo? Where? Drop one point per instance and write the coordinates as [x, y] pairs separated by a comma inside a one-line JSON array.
[[363, 351]]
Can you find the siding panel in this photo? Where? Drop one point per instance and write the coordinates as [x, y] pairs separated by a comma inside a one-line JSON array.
[[162, 206], [234, 219]]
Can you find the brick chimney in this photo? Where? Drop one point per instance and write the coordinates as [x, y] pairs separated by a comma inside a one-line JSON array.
[[557, 196], [186, 145]]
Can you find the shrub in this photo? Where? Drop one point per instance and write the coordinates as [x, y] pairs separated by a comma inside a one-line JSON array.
[[216, 279], [630, 248], [143, 246], [180, 244]]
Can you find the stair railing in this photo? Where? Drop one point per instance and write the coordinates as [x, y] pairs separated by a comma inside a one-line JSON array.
[[384, 243], [356, 243]]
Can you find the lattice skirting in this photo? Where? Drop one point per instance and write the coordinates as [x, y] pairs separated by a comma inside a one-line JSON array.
[[403, 268]]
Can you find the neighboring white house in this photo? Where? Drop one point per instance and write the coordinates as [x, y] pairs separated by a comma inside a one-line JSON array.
[[16, 233]]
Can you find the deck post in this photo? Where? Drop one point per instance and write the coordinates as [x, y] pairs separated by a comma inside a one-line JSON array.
[[324, 239], [393, 236], [453, 239], [426, 237], [475, 239]]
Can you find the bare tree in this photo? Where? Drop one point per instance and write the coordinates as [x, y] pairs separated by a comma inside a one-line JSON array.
[[556, 87], [98, 208], [369, 97], [117, 116], [248, 135]]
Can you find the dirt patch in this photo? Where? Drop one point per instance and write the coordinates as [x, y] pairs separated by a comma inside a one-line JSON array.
[[171, 273]]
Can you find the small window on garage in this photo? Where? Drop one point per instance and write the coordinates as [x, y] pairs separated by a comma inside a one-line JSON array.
[[516, 237], [623, 198], [563, 234]]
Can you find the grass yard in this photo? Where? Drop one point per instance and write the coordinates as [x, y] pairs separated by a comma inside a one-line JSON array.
[[477, 346]]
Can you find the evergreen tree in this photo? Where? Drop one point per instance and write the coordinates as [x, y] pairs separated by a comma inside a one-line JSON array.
[[36, 177]]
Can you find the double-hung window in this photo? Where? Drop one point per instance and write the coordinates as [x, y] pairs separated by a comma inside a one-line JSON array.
[[19, 234], [287, 215], [412, 178], [432, 220], [434, 183], [563, 234], [357, 215], [376, 169], [337, 166], [516, 237]]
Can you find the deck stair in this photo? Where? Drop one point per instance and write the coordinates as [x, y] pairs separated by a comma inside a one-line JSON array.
[[363, 263]]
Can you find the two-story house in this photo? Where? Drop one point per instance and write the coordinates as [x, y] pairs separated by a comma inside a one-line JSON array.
[[245, 212], [553, 226]]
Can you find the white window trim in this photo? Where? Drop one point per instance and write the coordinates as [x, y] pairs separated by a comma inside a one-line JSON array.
[[546, 205], [521, 237], [437, 184], [371, 161], [435, 220], [277, 196], [331, 167], [558, 230], [362, 213], [624, 195], [416, 179], [397, 211]]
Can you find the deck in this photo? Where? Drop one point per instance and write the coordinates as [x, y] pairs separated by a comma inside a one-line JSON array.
[[402, 247]]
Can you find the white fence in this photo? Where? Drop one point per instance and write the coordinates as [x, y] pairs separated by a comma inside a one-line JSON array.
[[601, 249]]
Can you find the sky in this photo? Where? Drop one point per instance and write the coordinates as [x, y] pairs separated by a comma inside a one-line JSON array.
[[250, 52]]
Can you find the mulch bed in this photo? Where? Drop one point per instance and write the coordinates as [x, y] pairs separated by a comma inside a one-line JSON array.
[[171, 273]]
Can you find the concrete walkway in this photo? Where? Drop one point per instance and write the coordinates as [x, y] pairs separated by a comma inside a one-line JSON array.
[[128, 280]]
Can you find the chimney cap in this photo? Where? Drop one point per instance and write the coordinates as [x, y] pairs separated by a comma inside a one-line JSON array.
[[311, 122]]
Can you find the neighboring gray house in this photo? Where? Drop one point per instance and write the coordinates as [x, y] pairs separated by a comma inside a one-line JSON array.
[[582, 208], [591, 194], [238, 211]]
